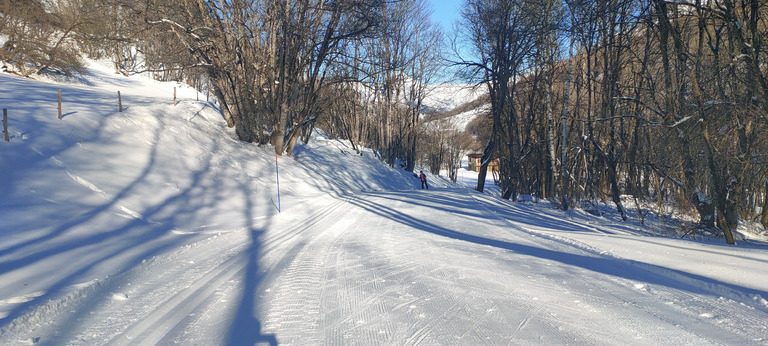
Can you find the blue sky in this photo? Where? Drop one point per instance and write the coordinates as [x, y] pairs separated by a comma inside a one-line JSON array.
[[445, 12]]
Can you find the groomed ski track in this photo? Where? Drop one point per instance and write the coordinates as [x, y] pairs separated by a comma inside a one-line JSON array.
[[421, 267]]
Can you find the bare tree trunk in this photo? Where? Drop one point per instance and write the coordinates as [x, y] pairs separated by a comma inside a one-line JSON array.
[[224, 107], [564, 139], [490, 149], [764, 212], [615, 193], [725, 218], [549, 185]]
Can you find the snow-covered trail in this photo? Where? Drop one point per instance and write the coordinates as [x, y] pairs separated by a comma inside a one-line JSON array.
[[443, 266], [438, 267]]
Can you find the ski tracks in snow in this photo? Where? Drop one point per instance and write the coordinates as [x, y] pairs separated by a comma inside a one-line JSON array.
[[438, 268], [380, 279], [384, 268], [165, 298]]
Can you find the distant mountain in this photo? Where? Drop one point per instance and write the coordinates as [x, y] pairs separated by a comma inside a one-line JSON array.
[[461, 102]]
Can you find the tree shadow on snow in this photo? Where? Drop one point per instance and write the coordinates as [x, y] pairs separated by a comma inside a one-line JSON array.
[[622, 268], [245, 328], [127, 241]]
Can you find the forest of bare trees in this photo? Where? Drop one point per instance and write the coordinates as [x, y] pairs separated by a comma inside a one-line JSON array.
[[590, 100], [659, 100]]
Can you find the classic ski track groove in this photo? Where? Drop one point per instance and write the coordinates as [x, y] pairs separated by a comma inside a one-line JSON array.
[[176, 309], [303, 273], [135, 324]]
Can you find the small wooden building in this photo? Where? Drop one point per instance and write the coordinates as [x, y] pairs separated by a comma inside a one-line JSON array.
[[473, 163]]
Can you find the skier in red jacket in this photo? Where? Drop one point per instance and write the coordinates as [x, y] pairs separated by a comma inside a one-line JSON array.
[[423, 179]]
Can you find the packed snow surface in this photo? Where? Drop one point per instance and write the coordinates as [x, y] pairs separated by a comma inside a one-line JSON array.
[[156, 226]]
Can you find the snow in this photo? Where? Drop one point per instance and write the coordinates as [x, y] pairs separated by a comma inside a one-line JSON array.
[[460, 121], [156, 226], [445, 97]]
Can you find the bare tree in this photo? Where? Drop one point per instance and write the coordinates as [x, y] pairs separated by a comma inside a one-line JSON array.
[[499, 36], [267, 60], [41, 36]]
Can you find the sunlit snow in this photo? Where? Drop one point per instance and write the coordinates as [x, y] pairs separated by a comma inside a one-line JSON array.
[[157, 226]]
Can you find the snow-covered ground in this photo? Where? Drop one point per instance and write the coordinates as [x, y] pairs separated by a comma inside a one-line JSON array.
[[156, 226]]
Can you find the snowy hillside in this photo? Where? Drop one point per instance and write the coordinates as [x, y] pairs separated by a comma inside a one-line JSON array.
[[456, 104], [156, 226], [445, 97]]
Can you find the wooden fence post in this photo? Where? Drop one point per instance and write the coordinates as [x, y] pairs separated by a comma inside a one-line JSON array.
[[174, 96], [59, 93], [5, 125], [119, 102]]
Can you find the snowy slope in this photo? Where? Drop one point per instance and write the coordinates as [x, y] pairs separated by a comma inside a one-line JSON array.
[[447, 96], [156, 226], [453, 104]]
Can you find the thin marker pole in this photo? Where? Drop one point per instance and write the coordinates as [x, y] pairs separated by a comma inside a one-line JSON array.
[[59, 99], [5, 124]]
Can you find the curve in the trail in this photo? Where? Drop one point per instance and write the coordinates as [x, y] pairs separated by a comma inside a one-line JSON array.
[[444, 267]]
